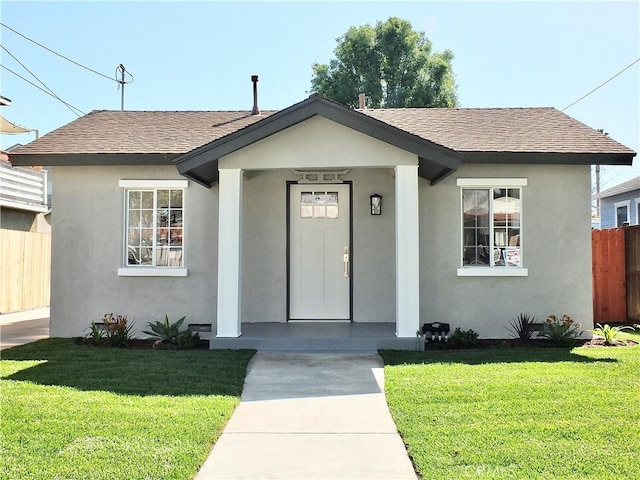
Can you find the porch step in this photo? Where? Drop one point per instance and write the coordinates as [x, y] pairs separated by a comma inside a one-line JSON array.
[[316, 337]]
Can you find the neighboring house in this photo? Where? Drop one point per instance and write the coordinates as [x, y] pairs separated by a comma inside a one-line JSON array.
[[24, 198], [319, 212], [620, 204]]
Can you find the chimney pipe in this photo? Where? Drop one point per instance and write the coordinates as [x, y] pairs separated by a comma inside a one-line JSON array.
[[255, 110], [361, 101]]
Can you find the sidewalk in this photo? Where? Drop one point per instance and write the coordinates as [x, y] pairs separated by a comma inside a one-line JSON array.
[[311, 416], [36, 314], [23, 327]]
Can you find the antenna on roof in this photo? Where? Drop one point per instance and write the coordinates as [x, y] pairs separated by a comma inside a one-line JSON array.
[[122, 82]]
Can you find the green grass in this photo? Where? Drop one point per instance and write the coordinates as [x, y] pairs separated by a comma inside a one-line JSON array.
[[78, 412], [518, 413]]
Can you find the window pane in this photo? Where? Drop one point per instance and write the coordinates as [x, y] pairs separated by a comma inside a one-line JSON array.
[[163, 199], [176, 199], [621, 215], [175, 257], [147, 199], [475, 227], [134, 199]]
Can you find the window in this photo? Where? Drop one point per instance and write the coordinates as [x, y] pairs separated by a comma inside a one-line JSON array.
[[322, 204], [637, 211], [154, 228], [622, 212], [491, 227]]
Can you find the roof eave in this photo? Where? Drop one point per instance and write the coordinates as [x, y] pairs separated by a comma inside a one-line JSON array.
[[91, 159], [559, 158]]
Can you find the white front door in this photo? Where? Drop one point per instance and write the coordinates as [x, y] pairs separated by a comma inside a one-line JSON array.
[[319, 255]]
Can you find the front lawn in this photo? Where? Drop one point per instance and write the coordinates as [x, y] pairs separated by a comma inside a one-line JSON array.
[[77, 412], [518, 413]]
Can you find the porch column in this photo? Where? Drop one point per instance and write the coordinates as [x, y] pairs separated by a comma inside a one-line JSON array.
[[407, 251], [229, 248]]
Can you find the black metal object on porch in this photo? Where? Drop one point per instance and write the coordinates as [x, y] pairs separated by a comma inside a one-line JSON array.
[[436, 331]]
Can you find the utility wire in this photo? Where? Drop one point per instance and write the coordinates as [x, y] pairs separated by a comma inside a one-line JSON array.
[[602, 84], [41, 82], [58, 54], [40, 88]]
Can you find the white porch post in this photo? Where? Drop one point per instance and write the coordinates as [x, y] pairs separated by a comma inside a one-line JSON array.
[[229, 249], [407, 251]]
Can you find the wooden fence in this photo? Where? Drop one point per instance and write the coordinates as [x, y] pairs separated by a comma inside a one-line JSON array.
[[616, 275], [25, 270]]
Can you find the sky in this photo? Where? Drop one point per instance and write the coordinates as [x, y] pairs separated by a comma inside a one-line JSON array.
[[201, 55]]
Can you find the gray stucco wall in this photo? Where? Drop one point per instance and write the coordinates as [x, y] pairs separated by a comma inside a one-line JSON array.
[[556, 249], [88, 233], [87, 242], [264, 249]]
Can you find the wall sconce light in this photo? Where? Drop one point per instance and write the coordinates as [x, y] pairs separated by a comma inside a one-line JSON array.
[[375, 201]]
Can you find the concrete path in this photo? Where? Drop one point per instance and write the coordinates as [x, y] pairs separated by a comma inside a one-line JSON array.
[[311, 416], [23, 327]]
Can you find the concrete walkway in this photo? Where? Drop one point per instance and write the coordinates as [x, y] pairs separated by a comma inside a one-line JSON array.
[[23, 327], [311, 416]]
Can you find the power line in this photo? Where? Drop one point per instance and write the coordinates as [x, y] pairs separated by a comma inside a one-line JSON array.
[[42, 89], [59, 54], [41, 82], [602, 84]]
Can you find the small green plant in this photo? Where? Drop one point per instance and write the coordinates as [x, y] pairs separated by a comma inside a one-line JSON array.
[[165, 332], [464, 338], [522, 326], [609, 333], [96, 333], [562, 331], [118, 330], [188, 340]]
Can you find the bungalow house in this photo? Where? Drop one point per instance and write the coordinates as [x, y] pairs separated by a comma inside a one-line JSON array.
[[319, 218], [620, 204]]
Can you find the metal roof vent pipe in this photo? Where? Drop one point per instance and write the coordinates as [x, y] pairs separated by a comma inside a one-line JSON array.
[[362, 101], [255, 110]]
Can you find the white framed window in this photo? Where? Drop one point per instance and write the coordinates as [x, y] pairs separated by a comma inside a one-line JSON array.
[[637, 200], [491, 216], [153, 228], [622, 210]]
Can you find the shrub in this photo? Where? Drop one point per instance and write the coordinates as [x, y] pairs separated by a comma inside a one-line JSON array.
[[96, 333], [165, 332], [117, 330], [464, 338], [188, 340], [522, 326], [609, 333], [563, 332]]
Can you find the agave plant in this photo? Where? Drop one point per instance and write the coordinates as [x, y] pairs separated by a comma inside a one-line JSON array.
[[522, 326], [165, 332], [609, 333]]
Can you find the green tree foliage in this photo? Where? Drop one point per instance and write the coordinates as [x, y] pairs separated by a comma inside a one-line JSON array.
[[392, 64]]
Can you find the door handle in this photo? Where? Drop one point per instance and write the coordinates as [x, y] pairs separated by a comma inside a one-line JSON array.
[[345, 259]]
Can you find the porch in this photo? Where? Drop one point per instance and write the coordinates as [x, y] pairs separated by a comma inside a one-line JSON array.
[[315, 336]]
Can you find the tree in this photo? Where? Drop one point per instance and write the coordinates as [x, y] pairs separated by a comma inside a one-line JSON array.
[[392, 64]]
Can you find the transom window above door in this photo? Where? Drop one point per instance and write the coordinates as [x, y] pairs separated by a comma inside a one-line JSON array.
[[319, 204]]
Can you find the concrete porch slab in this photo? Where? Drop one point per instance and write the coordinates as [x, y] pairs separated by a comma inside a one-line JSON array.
[[319, 336]]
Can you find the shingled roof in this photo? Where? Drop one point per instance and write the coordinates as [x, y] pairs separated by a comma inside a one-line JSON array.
[[500, 129], [537, 135]]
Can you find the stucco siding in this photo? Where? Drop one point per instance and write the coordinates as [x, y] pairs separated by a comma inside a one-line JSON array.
[[556, 251], [87, 239], [265, 236], [317, 143], [88, 236]]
